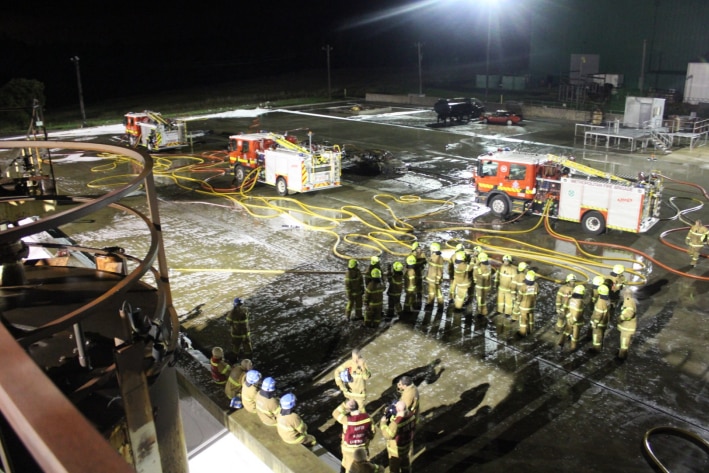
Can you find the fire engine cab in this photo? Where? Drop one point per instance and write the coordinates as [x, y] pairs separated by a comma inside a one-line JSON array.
[[155, 132], [516, 182], [285, 164]]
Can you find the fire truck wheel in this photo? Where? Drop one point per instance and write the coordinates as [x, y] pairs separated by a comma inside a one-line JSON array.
[[239, 174], [500, 205], [593, 222], [281, 187]]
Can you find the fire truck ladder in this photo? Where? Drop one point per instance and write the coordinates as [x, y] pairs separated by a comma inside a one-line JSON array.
[[288, 144], [585, 169], [156, 117]]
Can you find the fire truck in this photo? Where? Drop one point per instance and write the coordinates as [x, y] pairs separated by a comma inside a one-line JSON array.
[[510, 182], [284, 163], [155, 132]]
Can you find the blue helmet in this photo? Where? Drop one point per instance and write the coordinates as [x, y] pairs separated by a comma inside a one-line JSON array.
[[236, 403], [288, 401], [345, 376], [237, 301], [269, 385], [253, 376]]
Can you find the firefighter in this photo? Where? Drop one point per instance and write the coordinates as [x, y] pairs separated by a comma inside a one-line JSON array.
[[360, 464], [236, 378], [562, 301], [473, 263], [460, 282], [399, 430], [595, 284], [527, 301], [574, 318], [627, 323], [351, 377], [374, 299], [600, 318], [220, 369], [409, 394], [503, 283], [357, 431], [420, 256], [517, 286], [451, 269], [695, 240], [252, 385], [434, 276], [267, 405], [239, 329], [374, 263], [354, 289], [291, 427], [411, 301], [395, 288], [616, 285], [483, 283]]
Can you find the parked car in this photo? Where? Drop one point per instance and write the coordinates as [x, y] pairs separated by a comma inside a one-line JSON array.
[[502, 117]]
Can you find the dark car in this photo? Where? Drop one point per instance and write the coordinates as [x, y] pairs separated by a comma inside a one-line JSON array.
[[502, 117]]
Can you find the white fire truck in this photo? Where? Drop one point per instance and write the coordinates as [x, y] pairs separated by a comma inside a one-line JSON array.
[[284, 163], [155, 132], [516, 182]]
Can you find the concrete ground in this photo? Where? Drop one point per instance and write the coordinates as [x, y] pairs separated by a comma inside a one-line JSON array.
[[489, 401]]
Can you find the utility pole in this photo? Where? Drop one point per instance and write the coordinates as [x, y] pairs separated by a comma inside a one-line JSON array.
[[418, 46], [75, 60], [327, 48], [487, 55], [641, 81]]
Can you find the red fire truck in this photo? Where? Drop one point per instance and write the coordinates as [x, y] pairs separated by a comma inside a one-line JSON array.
[[284, 163], [508, 182]]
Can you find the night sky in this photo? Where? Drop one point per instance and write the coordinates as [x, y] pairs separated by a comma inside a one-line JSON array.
[[127, 50]]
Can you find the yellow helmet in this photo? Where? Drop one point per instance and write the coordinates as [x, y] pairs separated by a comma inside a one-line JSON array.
[[618, 269], [522, 266], [352, 263], [507, 259], [374, 260], [580, 290], [482, 257], [459, 247], [603, 290], [598, 280], [571, 277], [411, 260], [435, 246], [397, 266], [478, 249], [414, 245], [376, 273], [460, 256], [531, 276]]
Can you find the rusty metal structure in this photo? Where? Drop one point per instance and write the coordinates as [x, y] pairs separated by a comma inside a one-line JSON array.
[[88, 382]]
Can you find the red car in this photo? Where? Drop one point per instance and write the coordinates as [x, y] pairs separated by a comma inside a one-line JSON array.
[[502, 117]]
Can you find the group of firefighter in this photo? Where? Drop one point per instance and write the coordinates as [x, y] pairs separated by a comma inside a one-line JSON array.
[[474, 278]]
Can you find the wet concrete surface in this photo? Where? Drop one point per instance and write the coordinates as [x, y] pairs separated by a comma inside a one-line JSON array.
[[489, 401]]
